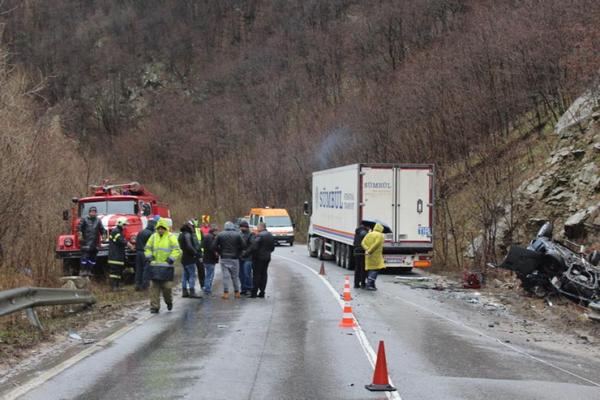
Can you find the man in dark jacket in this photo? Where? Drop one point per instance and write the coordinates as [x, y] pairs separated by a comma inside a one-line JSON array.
[[189, 255], [246, 261], [116, 253], [89, 232], [261, 249], [198, 243], [230, 245], [141, 273], [360, 276], [209, 258]]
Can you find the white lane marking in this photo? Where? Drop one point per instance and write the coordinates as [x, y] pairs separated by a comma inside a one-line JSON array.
[[360, 334], [522, 352], [52, 372]]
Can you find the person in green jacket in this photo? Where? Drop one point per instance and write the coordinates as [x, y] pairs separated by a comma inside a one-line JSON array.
[[373, 246], [162, 250]]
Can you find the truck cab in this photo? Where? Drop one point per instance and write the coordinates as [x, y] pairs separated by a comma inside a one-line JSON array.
[[278, 222], [130, 200]]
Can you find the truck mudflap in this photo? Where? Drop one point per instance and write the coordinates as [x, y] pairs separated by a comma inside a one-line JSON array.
[[407, 260]]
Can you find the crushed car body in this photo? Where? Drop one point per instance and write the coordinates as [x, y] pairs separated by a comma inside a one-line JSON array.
[[547, 266]]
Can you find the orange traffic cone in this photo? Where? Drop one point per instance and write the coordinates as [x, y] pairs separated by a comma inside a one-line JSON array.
[[347, 318], [380, 377], [322, 270], [347, 295]]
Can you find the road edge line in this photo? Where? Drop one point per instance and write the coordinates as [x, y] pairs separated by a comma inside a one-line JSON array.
[[57, 369], [360, 334]]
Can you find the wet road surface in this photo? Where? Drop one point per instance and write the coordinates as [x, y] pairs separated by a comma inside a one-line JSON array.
[[289, 346]]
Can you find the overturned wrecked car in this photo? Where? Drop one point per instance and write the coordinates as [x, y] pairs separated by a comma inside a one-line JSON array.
[[548, 267]]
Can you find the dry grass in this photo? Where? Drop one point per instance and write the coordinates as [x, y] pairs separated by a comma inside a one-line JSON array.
[[17, 336]]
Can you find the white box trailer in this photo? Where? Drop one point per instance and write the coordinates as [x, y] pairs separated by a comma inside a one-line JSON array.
[[400, 195]]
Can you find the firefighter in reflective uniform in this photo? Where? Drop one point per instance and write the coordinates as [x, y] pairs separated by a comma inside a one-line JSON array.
[[116, 253], [162, 250]]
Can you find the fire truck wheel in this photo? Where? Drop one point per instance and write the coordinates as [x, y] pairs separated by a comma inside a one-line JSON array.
[[70, 267]]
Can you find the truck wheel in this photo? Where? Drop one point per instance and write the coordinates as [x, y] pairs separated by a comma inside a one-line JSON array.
[[342, 250], [348, 258], [310, 252], [337, 248], [70, 267], [320, 250]]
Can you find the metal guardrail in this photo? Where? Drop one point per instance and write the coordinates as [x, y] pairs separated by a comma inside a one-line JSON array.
[[26, 298]]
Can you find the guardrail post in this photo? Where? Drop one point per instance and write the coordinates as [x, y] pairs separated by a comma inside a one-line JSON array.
[[33, 318]]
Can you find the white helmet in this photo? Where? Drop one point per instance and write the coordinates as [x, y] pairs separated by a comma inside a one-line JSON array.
[[122, 221]]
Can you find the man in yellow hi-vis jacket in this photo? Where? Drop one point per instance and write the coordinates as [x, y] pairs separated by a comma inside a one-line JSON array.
[[373, 246], [162, 250]]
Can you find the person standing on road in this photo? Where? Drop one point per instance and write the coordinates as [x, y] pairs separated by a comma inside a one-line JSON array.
[[141, 272], [89, 232], [198, 243], [246, 261], [210, 259], [261, 249], [189, 255], [229, 244], [360, 276], [373, 247], [162, 250], [205, 224], [116, 253]]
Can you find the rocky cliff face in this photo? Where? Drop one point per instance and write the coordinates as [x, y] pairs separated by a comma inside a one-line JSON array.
[[567, 192]]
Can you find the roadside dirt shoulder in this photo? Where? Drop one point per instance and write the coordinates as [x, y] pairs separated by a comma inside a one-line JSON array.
[[67, 330]]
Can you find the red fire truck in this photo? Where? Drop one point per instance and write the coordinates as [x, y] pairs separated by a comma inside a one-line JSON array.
[[130, 200]]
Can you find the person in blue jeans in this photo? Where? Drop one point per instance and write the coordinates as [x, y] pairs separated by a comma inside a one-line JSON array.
[[210, 259], [246, 262], [188, 259]]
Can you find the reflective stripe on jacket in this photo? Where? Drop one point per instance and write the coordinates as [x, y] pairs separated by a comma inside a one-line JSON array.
[[161, 248], [116, 247]]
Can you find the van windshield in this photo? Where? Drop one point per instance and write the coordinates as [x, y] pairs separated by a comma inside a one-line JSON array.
[[109, 207], [274, 222]]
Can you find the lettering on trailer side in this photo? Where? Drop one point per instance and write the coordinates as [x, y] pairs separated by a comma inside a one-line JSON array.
[[335, 199], [378, 185], [330, 198]]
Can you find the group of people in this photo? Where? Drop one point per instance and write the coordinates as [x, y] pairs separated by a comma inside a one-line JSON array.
[[243, 255]]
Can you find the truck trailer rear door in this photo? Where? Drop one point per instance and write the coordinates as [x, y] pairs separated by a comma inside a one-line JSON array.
[[378, 194], [414, 204]]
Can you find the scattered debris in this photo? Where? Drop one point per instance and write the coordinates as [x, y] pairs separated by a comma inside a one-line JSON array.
[[472, 279], [75, 336], [493, 306], [412, 278], [221, 326]]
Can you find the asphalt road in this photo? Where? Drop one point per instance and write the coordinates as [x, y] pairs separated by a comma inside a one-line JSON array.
[[289, 346]]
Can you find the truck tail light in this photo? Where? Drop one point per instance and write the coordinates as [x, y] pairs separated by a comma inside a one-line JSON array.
[[421, 264]]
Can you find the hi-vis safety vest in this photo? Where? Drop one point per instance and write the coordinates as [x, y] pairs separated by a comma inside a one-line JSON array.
[[198, 234], [161, 248]]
